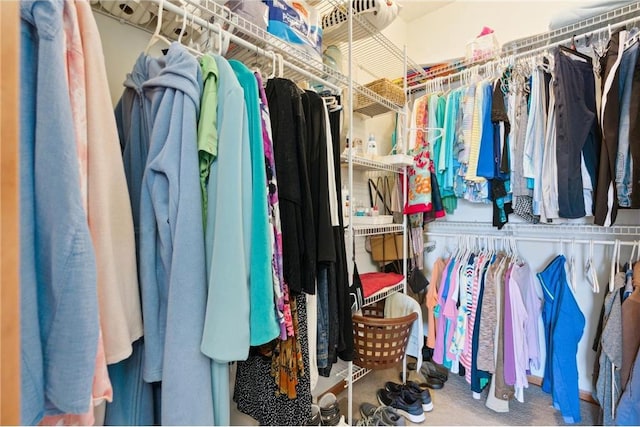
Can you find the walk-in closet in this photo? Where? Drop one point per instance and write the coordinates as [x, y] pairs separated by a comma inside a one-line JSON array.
[[320, 212]]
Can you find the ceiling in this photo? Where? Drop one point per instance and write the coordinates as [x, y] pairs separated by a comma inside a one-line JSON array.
[[413, 9]]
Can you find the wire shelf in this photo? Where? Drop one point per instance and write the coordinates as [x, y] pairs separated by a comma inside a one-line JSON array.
[[374, 230], [358, 373], [384, 293], [249, 42], [521, 229], [369, 45], [363, 163], [540, 40]]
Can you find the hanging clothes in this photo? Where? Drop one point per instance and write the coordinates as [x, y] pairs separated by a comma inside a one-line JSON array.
[[263, 322], [56, 251], [288, 125], [610, 353], [630, 335], [138, 402], [173, 286], [564, 324], [606, 205]]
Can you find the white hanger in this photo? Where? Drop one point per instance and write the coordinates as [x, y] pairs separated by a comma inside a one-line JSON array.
[[591, 273], [156, 36], [572, 265], [614, 265]]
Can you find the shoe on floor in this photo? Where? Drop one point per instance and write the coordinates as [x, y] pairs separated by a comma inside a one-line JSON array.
[[329, 410], [433, 370], [315, 419], [404, 403], [414, 389], [373, 415]]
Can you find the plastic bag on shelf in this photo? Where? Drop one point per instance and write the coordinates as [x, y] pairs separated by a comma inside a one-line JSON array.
[[297, 23]]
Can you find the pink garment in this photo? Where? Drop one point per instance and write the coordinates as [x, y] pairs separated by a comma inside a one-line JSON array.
[[438, 351], [74, 60], [101, 391], [110, 218]]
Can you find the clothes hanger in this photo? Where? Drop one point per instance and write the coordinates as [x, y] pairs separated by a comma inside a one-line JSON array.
[[156, 36], [572, 265], [591, 273], [574, 52], [614, 265]]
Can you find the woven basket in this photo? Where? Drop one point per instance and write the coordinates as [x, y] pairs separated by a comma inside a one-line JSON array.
[[383, 87], [380, 343]]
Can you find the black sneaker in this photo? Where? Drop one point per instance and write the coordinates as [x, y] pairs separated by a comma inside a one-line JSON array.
[[406, 405], [414, 390], [329, 410]]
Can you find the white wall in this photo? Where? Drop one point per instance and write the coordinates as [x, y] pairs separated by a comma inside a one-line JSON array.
[[443, 34], [122, 44]]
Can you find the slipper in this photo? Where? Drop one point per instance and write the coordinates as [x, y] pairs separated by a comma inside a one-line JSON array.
[[432, 370]]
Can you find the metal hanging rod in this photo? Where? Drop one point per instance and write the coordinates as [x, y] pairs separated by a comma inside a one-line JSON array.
[[520, 229], [537, 239]]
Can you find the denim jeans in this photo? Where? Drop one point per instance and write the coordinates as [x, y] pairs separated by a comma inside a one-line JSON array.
[[323, 316], [623, 159]]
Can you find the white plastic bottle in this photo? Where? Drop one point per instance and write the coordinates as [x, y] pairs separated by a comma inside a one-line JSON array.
[[345, 201], [372, 148]]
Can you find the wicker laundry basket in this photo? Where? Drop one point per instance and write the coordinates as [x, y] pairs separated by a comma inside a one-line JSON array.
[[380, 343]]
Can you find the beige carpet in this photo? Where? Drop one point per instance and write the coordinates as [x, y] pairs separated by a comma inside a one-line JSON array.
[[454, 405]]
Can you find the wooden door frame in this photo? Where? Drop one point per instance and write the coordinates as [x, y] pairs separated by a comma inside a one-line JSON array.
[[9, 215]]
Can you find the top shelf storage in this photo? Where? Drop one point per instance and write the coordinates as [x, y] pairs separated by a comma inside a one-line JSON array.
[[250, 43]]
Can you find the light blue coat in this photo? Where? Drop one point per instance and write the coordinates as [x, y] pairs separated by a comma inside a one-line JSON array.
[[264, 323], [228, 240], [58, 289], [172, 253]]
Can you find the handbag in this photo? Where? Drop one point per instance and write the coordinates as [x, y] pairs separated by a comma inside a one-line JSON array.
[[356, 291], [416, 279]]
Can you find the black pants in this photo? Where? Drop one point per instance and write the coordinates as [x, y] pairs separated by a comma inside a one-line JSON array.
[[577, 131]]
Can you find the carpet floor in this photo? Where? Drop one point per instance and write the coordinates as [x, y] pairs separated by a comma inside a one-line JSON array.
[[454, 404]]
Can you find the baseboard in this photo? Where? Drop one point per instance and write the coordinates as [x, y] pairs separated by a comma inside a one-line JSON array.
[[584, 395]]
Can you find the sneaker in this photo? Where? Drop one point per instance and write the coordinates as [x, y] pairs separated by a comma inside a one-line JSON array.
[[404, 403], [413, 389], [315, 416], [329, 410], [379, 416]]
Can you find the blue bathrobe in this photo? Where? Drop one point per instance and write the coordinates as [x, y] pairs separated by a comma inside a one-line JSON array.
[[172, 252], [226, 334], [58, 282], [563, 325], [263, 320]]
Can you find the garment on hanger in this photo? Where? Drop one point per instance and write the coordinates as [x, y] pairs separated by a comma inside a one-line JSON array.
[[56, 250], [564, 324], [606, 205], [263, 322]]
